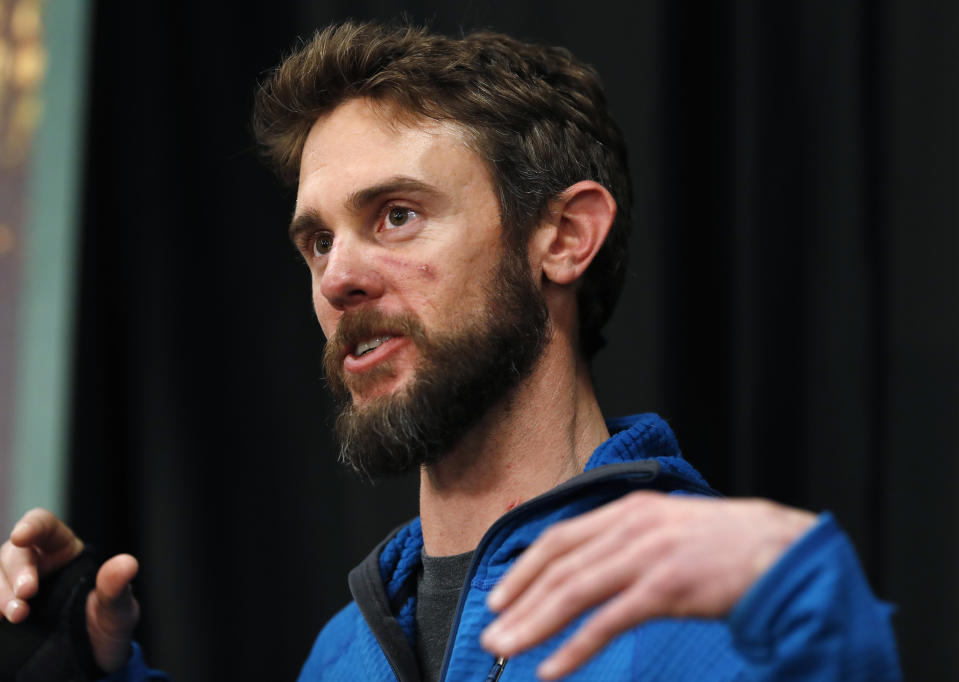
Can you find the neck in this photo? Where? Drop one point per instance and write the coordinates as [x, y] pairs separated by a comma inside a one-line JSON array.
[[541, 436]]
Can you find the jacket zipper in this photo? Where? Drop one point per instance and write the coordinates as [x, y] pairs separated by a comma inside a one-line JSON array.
[[497, 669]]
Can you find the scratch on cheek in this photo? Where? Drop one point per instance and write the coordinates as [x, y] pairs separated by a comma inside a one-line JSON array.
[[424, 269]]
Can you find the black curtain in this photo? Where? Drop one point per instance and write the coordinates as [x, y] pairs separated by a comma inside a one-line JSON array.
[[791, 306]]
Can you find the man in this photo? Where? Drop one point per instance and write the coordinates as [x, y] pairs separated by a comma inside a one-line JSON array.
[[463, 208]]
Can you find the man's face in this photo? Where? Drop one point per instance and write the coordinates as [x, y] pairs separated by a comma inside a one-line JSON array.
[[429, 321]]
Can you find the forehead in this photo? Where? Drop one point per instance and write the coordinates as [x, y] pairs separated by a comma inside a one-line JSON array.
[[363, 142]]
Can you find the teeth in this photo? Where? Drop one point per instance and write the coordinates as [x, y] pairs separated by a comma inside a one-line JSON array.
[[367, 346]]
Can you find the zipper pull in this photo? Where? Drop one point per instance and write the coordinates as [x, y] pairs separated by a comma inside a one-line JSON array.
[[497, 669]]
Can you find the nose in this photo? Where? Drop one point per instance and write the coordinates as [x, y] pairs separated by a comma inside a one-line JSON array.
[[350, 278]]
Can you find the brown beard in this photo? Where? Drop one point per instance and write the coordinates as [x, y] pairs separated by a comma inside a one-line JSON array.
[[459, 377]]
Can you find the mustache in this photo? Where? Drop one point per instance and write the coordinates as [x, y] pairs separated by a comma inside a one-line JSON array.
[[364, 324], [361, 325]]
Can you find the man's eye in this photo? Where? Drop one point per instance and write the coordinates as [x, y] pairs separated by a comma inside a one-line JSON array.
[[322, 243], [398, 216]]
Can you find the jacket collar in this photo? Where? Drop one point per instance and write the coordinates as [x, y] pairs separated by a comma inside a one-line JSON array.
[[643, 436], [632, 438]]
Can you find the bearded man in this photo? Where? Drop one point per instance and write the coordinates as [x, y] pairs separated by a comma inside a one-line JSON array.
[[463, 209]]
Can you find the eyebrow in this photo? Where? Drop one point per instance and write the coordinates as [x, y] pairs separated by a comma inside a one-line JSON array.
[[310, 219], [400, 183]]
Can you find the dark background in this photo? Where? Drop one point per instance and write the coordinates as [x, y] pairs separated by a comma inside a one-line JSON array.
[[791, 306]]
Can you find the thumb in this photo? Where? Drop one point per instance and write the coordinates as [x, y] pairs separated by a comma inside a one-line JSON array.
[[113, 612]]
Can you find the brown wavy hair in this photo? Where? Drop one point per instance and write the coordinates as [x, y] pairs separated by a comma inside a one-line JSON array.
[[534, 113]]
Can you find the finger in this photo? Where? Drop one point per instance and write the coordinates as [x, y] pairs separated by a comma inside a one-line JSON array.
[[11, 608], [113, 612], [18, 566], [546, 614], [550, 617], [615, 617], [554, 579], [655, 595], [547, 608], [16, 610], [665, 590], [55, 542], [558, 540], [553, 542], [114, 577]]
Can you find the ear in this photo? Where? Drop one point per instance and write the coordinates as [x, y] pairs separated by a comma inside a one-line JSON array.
[[567, 241]]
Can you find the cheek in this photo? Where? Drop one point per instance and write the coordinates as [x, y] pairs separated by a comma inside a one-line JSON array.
[[410, 269], [418, 284]]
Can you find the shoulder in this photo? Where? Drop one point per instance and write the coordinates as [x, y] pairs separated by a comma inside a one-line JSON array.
[[334, 639], [346, 650], [686, 649]]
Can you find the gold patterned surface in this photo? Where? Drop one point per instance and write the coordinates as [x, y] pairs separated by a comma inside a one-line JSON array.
[[23, 63]]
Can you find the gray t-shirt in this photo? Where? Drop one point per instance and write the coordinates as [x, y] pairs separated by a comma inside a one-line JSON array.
[[437, 596]]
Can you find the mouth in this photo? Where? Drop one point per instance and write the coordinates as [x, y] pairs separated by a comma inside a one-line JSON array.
[[364, 347], [372, 353], [371, 350]]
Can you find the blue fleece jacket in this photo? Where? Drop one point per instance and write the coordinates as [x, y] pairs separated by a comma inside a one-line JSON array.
[[811, 617]]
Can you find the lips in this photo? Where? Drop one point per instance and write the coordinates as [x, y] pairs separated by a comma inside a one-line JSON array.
[[365, 347], [373, 354]]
